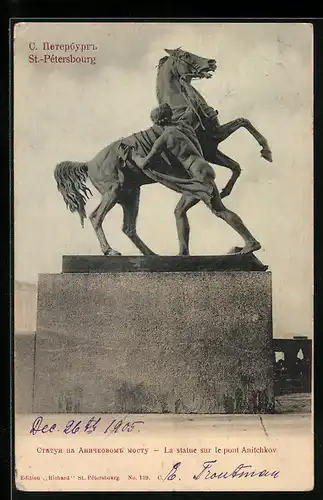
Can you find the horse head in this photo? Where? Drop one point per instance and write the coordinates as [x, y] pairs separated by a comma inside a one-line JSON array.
[[190, 66]]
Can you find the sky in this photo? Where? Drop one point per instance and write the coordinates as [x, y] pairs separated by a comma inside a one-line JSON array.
[[72, 111]]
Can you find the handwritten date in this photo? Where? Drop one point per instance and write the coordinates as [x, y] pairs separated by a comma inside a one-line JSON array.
[[88, 426]]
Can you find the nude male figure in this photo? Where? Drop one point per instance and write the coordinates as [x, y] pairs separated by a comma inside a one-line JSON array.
[[180, 139]]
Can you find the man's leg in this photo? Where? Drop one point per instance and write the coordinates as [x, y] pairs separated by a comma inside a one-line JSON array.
[[182, 223], [202, 170], [231, 218]]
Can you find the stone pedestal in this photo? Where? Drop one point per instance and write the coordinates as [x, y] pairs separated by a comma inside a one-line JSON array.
[[176, 341]]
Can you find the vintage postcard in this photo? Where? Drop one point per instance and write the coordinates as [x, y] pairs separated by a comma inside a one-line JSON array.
[[163, 178]]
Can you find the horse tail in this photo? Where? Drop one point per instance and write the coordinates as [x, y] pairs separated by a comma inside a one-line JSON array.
[[71, 183]]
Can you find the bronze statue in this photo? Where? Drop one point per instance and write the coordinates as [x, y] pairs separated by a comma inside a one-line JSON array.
[[118, 178]]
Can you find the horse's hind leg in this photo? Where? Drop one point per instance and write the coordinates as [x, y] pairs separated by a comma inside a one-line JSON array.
[[108, 201], [182, 224], [130, 205]]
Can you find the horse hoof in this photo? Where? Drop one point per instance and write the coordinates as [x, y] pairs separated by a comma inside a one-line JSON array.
[[112, 253], [266, 154]]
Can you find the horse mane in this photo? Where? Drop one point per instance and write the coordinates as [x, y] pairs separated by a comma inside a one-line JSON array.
[[161, 61], [159, 65]]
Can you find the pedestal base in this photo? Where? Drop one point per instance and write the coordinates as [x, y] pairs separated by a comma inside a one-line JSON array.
[[141, 342]]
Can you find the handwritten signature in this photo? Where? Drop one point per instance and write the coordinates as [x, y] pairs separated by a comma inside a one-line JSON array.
[[88, 426], [207, 472]]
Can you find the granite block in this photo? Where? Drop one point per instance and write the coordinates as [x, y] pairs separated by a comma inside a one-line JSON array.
[[151, 342]]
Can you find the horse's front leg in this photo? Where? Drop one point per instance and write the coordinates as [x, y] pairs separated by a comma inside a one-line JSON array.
[[223, 160], [224, 131]]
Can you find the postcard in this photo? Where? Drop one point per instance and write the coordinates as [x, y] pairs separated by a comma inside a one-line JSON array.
[[163, 177]]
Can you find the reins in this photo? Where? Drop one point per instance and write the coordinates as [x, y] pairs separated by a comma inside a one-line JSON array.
[[183, 85]]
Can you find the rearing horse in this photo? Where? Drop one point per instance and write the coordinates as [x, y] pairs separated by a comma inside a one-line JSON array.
[[175, 73], [118, 179]]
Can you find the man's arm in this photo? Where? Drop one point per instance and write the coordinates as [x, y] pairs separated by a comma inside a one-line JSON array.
[[158, 147]]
